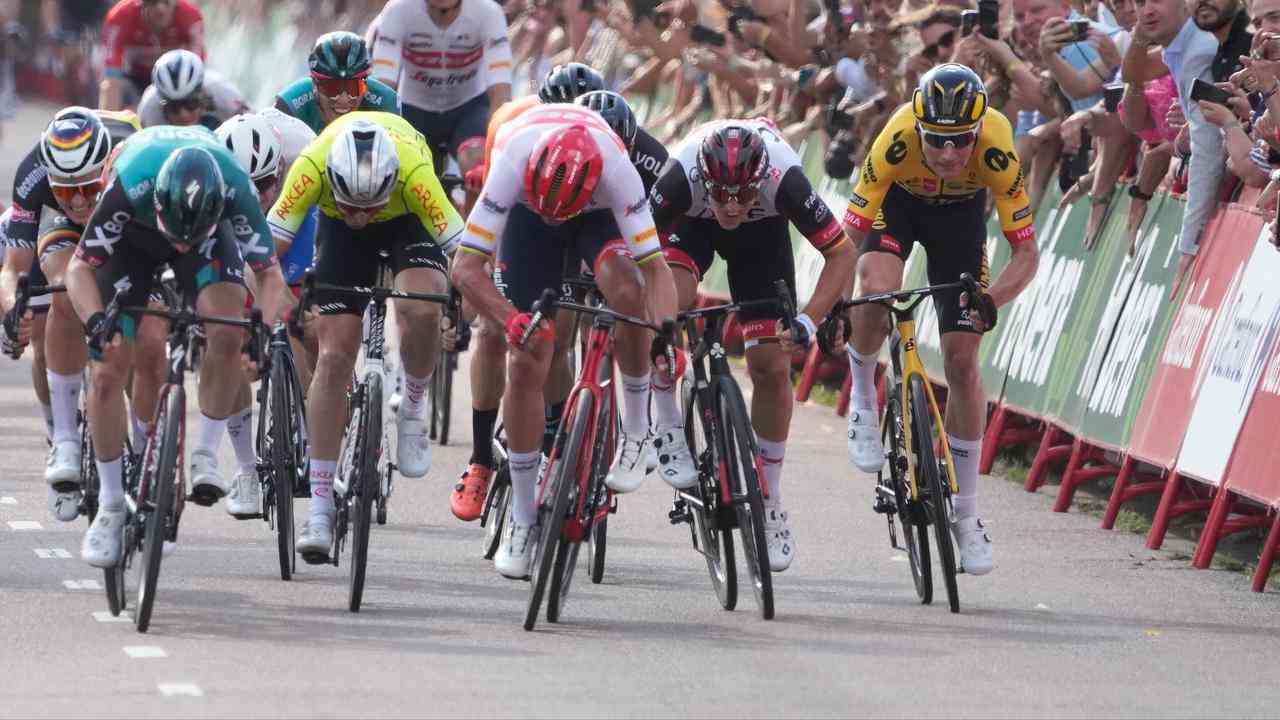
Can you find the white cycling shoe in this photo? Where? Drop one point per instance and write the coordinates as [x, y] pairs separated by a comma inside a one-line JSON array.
[[975, 545], [413, 448], [674, 461], [316, 539], [515, 552], [627, 472], [207, 485], [104, 539], [245, 499], [782, 545], [62, 466], [866, 452]]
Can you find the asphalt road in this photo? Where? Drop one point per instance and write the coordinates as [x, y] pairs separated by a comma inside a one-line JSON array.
[[1075, 621]]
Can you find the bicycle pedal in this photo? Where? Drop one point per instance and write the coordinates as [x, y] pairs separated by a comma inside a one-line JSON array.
[[315, 558], [679, 513], [205, 496], [884, 506]]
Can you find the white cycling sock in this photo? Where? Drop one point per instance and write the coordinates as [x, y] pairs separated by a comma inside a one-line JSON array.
[[240, 428], [666, 403], [964, 453], [138, 432], [863, 369], [322, 486], [47, 411], [771, 454], [64, 397], [524, 485], [415, 392], [110, 488], [209, 433], [635, 405]]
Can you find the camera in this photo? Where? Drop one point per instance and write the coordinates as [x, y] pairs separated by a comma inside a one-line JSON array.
[[968, 19], [838, 163], [836, 118], [1112, 94], [1080, 28], [989, 18]]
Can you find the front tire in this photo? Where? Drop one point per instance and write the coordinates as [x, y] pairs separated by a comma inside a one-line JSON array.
[[159, 479], [930, 480], [744, 489], [364, 485]]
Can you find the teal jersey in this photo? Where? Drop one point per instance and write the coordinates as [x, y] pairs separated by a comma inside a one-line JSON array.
[[134, 172], [299, 100]]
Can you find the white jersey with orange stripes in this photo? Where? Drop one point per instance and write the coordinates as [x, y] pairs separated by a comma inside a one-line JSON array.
[[438, 69], [620, 190]]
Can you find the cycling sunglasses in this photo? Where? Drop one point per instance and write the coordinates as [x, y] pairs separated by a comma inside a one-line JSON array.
[[947, 40], [355, 210], [265, 183], [941, 140], [66, 194], [741, 194], [334, 87], [190, 104]]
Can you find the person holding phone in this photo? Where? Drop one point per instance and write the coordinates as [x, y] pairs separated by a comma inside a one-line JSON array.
[[1082, 55]]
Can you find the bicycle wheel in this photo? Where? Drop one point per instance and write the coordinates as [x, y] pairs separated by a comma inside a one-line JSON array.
[[598, 544], [496, 504], [915, 532], [364, 484], [596, 468], [89, 480], [158, 474], [448, 362], [561, 486], [744, 488], [712, 537], [286, 404], [938, 498]]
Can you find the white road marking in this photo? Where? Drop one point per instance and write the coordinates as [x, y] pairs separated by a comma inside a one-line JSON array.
[[1041, 606], [826, 428], [898, 558], [180, 690], [82, 584], [24, 525], [51, 553], [138, 652], [104, 616], [8, 500]]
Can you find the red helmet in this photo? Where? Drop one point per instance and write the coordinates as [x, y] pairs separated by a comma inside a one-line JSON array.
[[563, 172], [732, 161]]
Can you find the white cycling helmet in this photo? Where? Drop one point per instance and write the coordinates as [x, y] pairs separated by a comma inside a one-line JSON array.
[[178, 74], [75, 146], [254, 142], [362, 165]]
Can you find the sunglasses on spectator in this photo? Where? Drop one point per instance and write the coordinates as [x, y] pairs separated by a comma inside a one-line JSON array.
[[740, 194], [947, 40], [941, 140], [66, 193], [189, 105], [336, 87]]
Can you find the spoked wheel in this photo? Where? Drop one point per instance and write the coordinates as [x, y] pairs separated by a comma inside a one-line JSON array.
[[156, 500], [286, 429], [496, 504], [364, 485], [561, 488], [936, 496], [744, 488], [915, 524], [711, 536]]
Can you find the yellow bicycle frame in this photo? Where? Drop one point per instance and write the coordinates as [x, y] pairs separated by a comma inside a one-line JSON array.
[[912, 366]]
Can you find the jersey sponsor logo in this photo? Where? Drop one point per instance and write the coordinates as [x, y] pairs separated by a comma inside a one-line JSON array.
[[897, 151], [869, 171], [415, 54], [498, 41], [1016, 187], [825, 237], [645, 161], [1020, 236], [858, 200], [856, 221], [929, 185], [173, 132], [879, 223], [435, 211], [638, 206], [22, 215], [996, 159], [33, 178], [890, 243], [107, 234], [1023, 213], [137, 191], [251, 242], [284, 207], [493, 207]]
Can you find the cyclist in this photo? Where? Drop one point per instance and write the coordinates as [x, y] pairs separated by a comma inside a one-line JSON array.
[[451, 64], [339, 83], [371, 175], [925, 180], [55, 189], [182, 92], [264, 144], [134, 34], [175, 196], [563, 84], [560, 180], [736, 186]]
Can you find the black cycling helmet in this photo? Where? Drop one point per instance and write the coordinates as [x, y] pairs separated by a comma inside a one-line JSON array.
[[733, 160], [340, 55], [950, 97], [615, 111], [566, 82], [189, 196]]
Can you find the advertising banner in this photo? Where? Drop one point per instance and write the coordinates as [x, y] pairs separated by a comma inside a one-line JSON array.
[[1228, 240], [1252, 471], [1240, 342]]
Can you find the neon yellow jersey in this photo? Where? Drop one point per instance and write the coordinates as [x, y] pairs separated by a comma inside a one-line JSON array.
[[417, 189]]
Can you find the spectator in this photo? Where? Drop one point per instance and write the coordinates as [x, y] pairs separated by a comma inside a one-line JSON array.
[[1229, 23], [1080, 67], [134, 35]]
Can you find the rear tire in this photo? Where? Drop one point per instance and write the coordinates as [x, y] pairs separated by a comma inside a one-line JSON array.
[[930, 479], [158, 479], [364, 485], [448, 361], [497, 503], [744, 488]]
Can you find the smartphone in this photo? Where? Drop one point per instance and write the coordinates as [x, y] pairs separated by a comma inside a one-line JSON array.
[[1111, 95], [989, 18], [704, 35], [643, 8], [968, 19], [587, 6], [1201, 90], [1081, 29]]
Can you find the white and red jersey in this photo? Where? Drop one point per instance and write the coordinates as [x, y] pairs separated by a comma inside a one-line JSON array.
[[132, 47], [620, 190], [438, 69]]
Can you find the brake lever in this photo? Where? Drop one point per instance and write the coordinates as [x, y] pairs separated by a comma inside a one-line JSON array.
[[545, 306]]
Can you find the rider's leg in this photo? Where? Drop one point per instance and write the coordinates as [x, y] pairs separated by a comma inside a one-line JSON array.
[[623, 286], [339, 337], [221, 379], [877, 272], [420, 336], [65, 351], [40, 369], [966, 414], [488, 383], [240, 429], [560, 380], [470, 154], [148, 375], [685, 271], [522, 416], [107, 421]]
